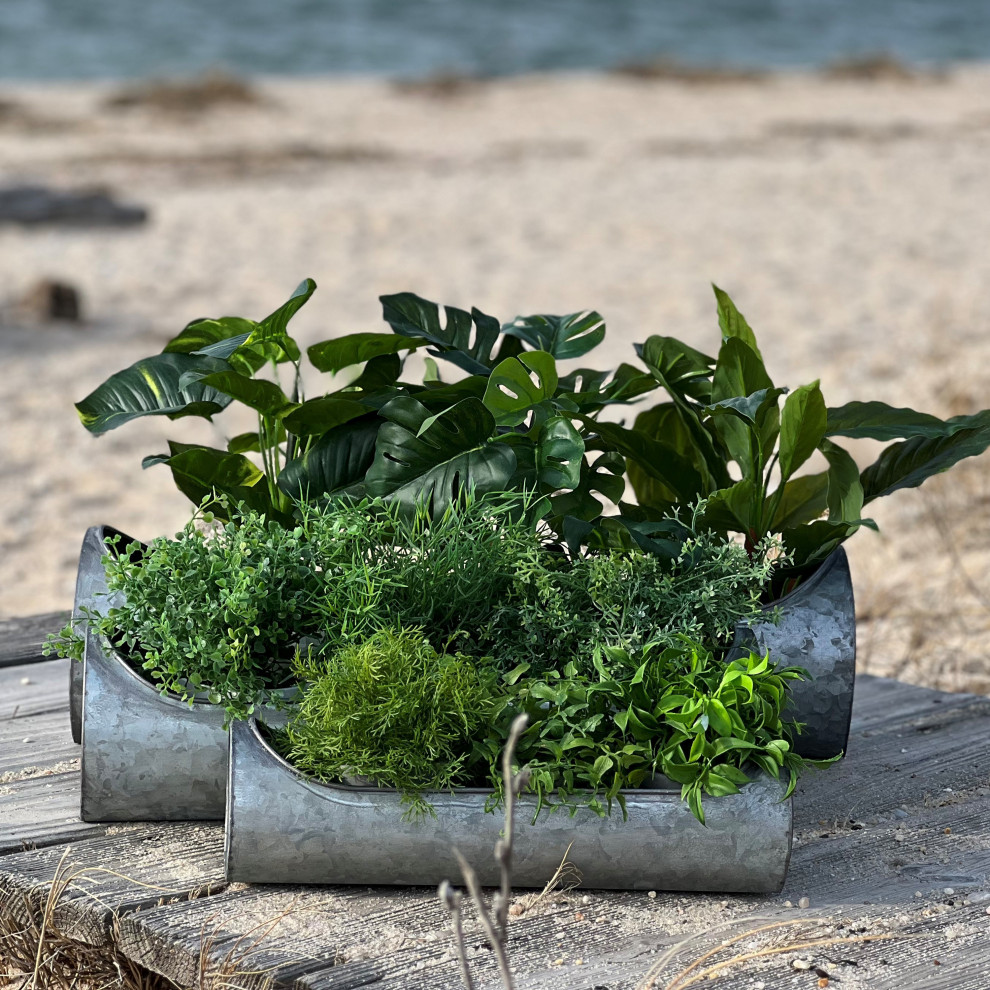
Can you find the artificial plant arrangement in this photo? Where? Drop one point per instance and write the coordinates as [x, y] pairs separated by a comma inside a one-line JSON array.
[[447, 539]]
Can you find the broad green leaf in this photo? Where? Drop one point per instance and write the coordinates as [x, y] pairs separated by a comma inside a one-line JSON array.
[[379, 373], [739, 371], [720, 786], [733, 323], [679, 368], [563, 337], [878, 421], [908, 463], [266, 397], [208, 332], [739, 374], [802, 427], [465, 339], [273, 326], [718, 717], [245, 443], [603, 475], [559, 454], [745, 407], [316, 416], [845, 490], [737, 508], [356, 348], [516, 385], [803, 500], [335, 464], [664, 423], [657, 459], [814, 542], [455, 455], [150, 387], [200, 471]]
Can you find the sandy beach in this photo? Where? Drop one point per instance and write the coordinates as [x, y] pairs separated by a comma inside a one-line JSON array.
[[848, 218]]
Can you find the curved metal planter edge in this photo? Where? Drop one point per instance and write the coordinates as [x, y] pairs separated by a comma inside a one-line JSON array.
[[283, 827], [817, 631]]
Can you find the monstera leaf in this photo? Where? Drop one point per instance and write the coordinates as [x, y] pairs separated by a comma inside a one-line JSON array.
[[466, 339], [433, 460], [153, 387], [562, 337], [517, 384], [336, 464]]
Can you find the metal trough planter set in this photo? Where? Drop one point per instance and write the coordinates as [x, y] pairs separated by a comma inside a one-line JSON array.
[[151, 757]]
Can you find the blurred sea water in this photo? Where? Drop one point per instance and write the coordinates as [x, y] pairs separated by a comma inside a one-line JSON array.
[[86, 39]]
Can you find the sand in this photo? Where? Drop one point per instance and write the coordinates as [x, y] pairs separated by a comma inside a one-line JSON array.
[[849, 220]]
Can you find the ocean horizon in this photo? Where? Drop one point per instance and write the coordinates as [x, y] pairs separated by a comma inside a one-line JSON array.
[[118, 39]]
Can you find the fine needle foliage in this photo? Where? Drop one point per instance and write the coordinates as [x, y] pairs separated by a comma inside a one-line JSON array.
[[392, 711]]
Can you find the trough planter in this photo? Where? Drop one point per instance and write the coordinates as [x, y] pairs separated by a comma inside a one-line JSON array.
[[283, 827], [152, 757], [145, 756]]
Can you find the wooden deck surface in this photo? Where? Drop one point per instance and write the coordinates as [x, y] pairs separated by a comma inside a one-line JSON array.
[[893, 842]]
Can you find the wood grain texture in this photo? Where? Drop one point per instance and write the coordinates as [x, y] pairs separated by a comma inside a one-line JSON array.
[[21, 639], [870, 833], [32, 689]]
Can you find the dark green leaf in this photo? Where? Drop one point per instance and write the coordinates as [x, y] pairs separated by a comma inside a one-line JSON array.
[[336, 463], [316, 416], [357, 348], [733, 323], [466, 339], [845, 491], [266, 397], [802, 427], [150, 387], [657, 459], [908, 463], [245, 443], [435, 465], [516, 385], [878, 421], [273, 326], [559, 454], [679, 368], [379, 373], [200, 471], [803, 500], [563, 337]]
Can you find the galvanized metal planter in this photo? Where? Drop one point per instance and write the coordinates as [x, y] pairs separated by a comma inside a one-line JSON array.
[[817, 631], [285, 828], [145, 756], [91, 588]]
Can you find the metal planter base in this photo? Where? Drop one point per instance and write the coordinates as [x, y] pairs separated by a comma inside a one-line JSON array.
[[817, 631], [145, 756], [285, 828]]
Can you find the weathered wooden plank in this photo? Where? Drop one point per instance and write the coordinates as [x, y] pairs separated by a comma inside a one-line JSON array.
[[42, 811], [35, 746], [128, 868], [32, 688], [21, 639]]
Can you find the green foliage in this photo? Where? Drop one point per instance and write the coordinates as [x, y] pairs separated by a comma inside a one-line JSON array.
[[394, 711], [383, 568], [724, 432], [561, 609], [676, 711], [726, 411], [220, 611]]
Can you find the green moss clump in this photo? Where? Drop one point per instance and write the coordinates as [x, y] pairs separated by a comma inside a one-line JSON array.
[[394, 711]]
